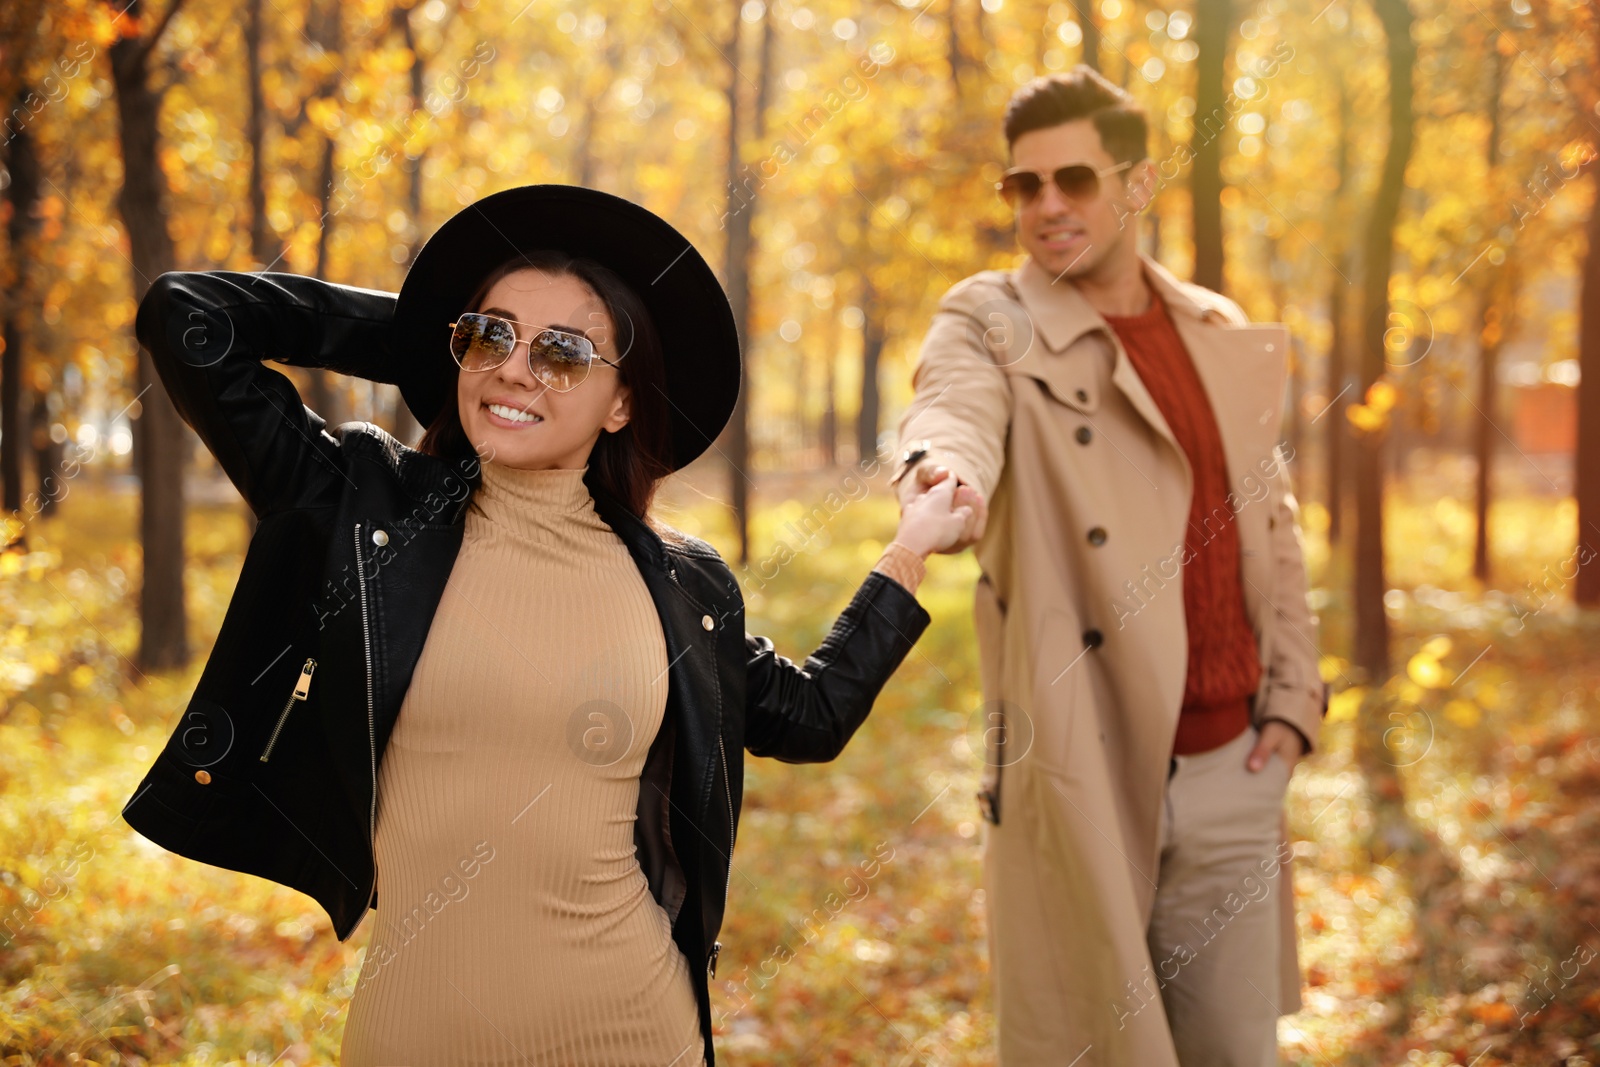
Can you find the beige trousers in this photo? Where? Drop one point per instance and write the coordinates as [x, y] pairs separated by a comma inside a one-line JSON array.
[[1214, 932], [1080, 978]]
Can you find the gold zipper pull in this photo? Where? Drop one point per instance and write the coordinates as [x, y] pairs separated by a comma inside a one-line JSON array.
[[303, 686]]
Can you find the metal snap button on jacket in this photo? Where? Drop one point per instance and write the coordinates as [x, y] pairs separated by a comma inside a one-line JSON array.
[[1083, 435], [380, 537], [705, 621], [1097, 535], [203, 777]]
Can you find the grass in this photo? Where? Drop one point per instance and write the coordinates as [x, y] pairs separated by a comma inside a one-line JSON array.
[[855, 932]]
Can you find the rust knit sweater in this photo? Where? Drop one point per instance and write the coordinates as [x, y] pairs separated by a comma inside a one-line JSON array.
[[1224, 666]]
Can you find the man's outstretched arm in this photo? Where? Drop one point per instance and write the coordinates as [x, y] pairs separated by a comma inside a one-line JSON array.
[[961, 411]]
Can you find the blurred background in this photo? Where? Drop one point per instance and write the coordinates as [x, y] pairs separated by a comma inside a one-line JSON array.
[[1408, 184]]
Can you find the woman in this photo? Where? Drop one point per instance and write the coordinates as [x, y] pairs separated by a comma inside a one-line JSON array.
[[475, 675]]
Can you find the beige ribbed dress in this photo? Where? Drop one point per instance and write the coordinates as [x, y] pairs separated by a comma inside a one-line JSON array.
[[514, 924]]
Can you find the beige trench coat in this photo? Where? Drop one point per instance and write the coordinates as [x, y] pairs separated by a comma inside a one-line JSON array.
[[1025, 393]]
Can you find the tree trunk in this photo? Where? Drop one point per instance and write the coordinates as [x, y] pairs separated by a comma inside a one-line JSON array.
[[740, 254], [47, 457], [160, 436], [1336, 434], [871, 349], [323, 394], [1387, 729], [1084, 9], [829, 430], [265, 248], [584, 162], [1484, 433], [1372, 622], [1213, 24], [326, 31], [1490, 332], [22, 196], [1393, 732], [955, 59], [1586, 488], [403, 424]]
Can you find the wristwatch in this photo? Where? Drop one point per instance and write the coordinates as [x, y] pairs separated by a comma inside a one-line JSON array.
[[916, 453]]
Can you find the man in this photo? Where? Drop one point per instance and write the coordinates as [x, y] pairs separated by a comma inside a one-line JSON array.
[[1149, 672]]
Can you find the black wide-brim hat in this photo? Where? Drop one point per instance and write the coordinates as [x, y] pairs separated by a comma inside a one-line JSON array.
[[700, 344]]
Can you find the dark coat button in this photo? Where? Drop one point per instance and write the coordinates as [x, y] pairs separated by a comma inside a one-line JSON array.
[[1084, 433], [1093, 638], [1097, 535], [1083, 396]]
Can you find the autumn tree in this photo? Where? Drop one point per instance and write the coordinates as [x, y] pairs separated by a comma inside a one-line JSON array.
[[1587, 466], [160, 442], [1213, 25]]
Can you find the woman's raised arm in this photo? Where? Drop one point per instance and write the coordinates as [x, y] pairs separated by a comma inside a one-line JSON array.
[[806, 714], [208, 333]]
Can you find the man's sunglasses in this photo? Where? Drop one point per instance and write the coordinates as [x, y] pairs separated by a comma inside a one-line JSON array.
[[1077, 181], [559, 358]]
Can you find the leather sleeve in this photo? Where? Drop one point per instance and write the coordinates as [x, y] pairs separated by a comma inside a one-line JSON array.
[[806, 714], [208, 333]]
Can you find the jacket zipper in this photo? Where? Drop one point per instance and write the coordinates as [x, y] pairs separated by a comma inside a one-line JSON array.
[[727, 793], [372, 733], [302, 688]]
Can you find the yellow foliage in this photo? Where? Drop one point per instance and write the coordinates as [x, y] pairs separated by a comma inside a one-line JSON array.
[[1381, 395], [1438, 647], [1427, 671], [1364, 418], [1463, 713], [324, 113], [1343, 705]]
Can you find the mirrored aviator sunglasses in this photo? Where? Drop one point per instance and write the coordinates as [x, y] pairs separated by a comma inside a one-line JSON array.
[[1077, 181], [558, 358]]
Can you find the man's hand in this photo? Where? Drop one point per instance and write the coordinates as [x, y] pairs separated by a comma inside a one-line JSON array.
[[926, 476], [1280, 737], [930, 522]]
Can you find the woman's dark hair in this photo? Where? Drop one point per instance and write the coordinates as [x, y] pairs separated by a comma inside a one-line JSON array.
[[1081, 93], [630, 462]]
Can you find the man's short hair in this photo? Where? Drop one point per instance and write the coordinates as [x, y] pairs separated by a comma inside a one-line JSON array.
[[1080, 93]]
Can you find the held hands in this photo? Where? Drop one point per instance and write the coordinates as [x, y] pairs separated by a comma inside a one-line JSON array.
[[939, 516], [964, 501]]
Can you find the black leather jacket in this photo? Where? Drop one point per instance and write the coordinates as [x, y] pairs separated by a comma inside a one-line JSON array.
[[273, 772]]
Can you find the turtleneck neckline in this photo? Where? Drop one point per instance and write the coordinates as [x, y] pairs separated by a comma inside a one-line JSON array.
[[525, 500], [1152, 312]]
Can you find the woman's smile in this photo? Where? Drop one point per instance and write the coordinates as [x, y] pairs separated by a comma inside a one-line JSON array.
[[510, 416]]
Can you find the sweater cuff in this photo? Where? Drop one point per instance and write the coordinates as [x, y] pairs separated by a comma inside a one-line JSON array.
[[902, 565]]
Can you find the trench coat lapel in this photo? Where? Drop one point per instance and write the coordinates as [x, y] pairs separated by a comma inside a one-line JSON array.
[[1243, 367], [1061, 315]]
